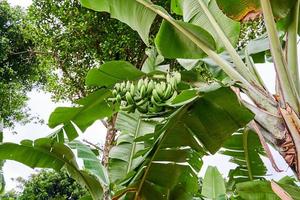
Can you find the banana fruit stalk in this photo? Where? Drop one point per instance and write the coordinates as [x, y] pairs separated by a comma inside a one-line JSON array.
[[148, 96]]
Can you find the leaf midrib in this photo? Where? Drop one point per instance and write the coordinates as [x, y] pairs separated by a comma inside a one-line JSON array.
[[133, 146]]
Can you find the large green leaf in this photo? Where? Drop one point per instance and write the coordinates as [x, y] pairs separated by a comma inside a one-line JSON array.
[[90, 109], [176, 6], [213, 184], [91, 163], [138, 17], [257, 190], [140, 14], [43, 153], [238, 9], [193, 13], [101, 6], [215, 116], [169, 172], [112, 72], [122, 156], [245, 150], [178, 148], [171, 43]]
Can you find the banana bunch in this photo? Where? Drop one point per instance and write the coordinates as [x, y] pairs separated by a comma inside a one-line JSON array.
[[146, 95], [250, 30]]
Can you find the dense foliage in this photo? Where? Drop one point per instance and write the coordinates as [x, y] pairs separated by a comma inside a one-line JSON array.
[[70, 39], [19, 69], [45, 185], [158, 155]]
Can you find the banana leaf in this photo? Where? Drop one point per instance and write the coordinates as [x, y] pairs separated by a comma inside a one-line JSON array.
[[194, 14], [245, 149], [123, 156], [213, 184], [257, 190], [171, 166], [44, 153]]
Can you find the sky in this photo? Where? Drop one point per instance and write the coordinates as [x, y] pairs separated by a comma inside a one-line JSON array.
[[40, 104]]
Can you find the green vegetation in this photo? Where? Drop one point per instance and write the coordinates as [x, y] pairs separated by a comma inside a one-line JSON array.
[[46, 185], [162, 118]]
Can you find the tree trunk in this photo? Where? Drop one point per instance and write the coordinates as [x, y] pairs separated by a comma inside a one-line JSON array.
[[109, 143]]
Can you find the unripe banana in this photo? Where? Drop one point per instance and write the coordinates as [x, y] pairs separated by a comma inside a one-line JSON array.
[[143, 108], [150, 87], [146, 81], [118, 98], [156, 96], [117, 87], [168, 92], [168, 77], [112, 100], [129, 108], [128, 84], [140, 83], [129, 98], [163, 86], [172, 97], [122, 86], [173, 83], [141, 102], [114, 92], [177, 76], [132, 89], [159, 90], [154, 109], [143, 91]]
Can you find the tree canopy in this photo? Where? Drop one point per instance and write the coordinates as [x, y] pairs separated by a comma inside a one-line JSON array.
[[47, 184], [19, 69]]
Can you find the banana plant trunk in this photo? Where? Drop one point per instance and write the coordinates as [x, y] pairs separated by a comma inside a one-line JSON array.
[[290, 146], [109, 143], [286, 138]]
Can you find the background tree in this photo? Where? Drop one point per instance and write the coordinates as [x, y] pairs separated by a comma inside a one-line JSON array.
[[46, 185], [19, 69], [70, 39]]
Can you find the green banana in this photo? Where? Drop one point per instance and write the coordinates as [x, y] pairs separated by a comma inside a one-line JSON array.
[[168, 77], [140, 83], [150, 87], [159, 90], [177, 77], [129, 98], [172, 97], [132, 89], [156, 96], [168, 91], [118, 98], [122, 86], [163, 86], [129, 108], [142, 102], [173, 83], [128, 84], [146, 81], [114, 92], [143, 91], [117, 87], [143, 108]]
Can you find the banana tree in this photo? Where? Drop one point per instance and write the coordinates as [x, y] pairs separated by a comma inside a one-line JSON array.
[[205, 31], [169, 119]]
